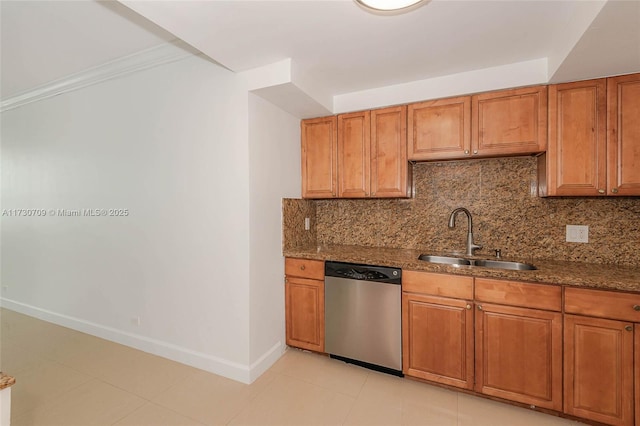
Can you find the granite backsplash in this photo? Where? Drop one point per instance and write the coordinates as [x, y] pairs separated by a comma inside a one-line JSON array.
[[507, 214]]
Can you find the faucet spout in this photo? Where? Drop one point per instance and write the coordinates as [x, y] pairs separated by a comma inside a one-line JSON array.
[[471, 246]]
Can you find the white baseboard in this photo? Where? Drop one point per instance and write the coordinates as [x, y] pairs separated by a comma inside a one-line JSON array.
[[263, 363], [223, 367]]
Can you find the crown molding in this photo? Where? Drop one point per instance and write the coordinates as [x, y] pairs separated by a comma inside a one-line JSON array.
[[148, 58]]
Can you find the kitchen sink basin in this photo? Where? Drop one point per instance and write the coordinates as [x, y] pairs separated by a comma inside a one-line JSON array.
[[444, 259], [502, 264], [481, 263]]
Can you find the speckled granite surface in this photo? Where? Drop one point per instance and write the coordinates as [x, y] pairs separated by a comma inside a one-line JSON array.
[[609, 277], [293, 213], [500, 193], [6, 381]]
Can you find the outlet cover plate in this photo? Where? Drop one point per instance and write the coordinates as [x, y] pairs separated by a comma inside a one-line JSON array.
[[577, 234]]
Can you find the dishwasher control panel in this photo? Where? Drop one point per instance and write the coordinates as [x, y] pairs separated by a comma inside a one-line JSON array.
[[357, 271]]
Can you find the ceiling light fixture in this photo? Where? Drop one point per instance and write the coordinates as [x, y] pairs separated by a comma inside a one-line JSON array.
[[388, 5]]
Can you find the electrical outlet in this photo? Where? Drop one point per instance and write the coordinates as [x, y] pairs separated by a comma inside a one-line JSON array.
[[307, 223], [577, 234]]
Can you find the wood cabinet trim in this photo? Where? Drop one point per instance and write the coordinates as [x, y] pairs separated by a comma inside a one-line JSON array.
[[446, 285], [305, 268], [535, 296], [637, 371], [602, 304]]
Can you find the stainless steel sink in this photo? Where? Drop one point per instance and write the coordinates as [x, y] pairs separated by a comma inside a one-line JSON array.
[[481, 263], [444, 259], [502, 264]]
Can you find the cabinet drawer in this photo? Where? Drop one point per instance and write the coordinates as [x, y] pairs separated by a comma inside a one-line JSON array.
[[603, 304], [304, 268], [538, 296], [437, 284]]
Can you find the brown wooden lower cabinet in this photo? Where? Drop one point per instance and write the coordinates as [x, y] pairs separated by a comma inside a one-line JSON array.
[[438, 339], [519, 355], [637, 373], [304, 307], [599, 370]]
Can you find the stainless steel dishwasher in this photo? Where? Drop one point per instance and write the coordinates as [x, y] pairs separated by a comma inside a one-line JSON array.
[[363, 315]]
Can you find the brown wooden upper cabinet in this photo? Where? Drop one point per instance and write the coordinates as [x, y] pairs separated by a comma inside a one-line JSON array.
[[623, 137], [439, 129], [319, 157], [500, 123], [354, 154], [509, 122], [365, 156], [594, 138], [390, 169]]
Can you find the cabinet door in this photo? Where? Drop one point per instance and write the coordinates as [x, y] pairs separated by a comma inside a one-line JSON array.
[[576, 156], [438, 339], [509, 122], [304, 311], [389, 164], [354, 156], [623, 138], [319, 169], [519, 355], [598, 368], [637, 373], [440, 129]]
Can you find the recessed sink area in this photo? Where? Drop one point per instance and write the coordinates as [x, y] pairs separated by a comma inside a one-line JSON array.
[[502, 264], [481, 263], [444, 259]]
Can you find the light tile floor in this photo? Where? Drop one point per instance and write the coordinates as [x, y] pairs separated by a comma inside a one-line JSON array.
[[69, 378]]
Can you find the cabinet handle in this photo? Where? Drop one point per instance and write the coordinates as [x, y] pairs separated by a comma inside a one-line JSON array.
[[629, 328], [475, 151], [600, 191], [466, 151], [479, 307], [636, 307], [302, 268], [468, 306], [614, 190]]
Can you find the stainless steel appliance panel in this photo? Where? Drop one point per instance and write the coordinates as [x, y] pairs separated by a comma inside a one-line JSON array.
[[363, 321]]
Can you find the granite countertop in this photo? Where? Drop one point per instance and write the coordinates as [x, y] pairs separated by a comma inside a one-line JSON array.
[[6, 381], [591, 275]]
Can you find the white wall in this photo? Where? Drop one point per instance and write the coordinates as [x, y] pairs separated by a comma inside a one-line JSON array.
[[170, 145], [483, 80], [274, 173]]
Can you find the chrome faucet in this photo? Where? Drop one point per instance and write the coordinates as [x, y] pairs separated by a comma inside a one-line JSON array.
[[471, 246]]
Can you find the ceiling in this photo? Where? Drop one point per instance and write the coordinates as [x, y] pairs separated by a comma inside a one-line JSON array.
[[42, 41], [336, 43]]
